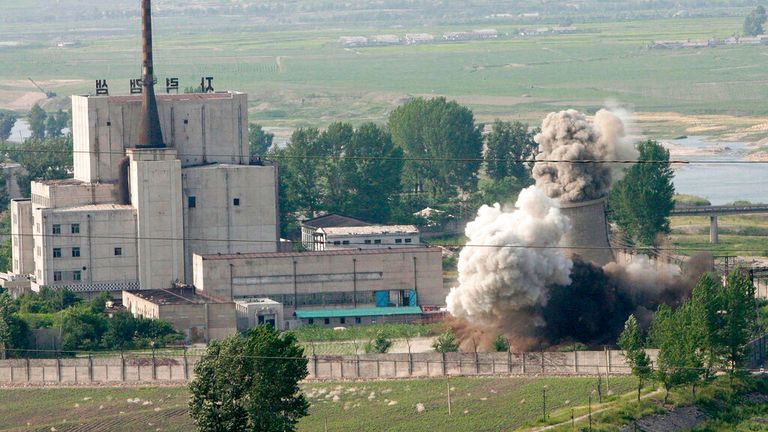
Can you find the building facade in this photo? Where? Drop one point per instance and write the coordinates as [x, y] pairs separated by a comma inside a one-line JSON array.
[[133, 217]]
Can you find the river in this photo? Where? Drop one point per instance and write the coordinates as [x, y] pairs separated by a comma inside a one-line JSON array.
[[718, 181]]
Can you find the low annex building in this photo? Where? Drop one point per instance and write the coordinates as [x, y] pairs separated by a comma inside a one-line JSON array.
[[349, 286], [334, 232]]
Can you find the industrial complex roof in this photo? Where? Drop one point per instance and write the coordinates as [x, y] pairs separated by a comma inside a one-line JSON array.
[[173, 296], [350, 251], [171, 97], [371, 230], [357, 312], [334, 220]]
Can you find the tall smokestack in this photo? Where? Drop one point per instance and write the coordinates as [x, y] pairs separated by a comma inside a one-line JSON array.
[[150, 134]]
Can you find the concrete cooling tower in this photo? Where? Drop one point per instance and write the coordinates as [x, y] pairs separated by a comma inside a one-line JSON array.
[[588, 236]]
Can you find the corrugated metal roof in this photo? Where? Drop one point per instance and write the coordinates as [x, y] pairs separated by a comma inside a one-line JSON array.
[[371, 230], [322, 253], [333, 220], [357, 312]]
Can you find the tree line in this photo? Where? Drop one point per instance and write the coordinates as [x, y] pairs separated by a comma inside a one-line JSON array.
[[84, 325], [707, 334]]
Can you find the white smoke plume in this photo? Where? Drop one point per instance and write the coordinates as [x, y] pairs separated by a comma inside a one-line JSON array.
[[497, 282], [568, 136]]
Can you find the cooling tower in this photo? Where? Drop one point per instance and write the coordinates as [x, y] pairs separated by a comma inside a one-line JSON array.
[[588, 236]]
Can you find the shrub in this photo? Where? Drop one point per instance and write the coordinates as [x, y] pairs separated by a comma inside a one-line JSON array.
[[446, 342], [500, 344], [379, 344]]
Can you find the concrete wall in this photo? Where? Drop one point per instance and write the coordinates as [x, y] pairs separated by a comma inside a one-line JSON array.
[[332, 274], [155, 183], [179, 369], [249, 224], [22, 243], [203, 128], [71, 193], [102, 229]]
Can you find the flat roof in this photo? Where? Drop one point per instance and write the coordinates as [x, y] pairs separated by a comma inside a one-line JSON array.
[[350, 251], [357, 312], [333, 220], [172, 296], [371, 230], [169, 97], [92, 208]]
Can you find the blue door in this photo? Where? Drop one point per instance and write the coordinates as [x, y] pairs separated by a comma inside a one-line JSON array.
[[412, 298], [382, 298]]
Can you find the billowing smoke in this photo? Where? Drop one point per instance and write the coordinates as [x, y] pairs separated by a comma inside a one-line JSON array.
[[566, 137], [516, 281], [496, 282]]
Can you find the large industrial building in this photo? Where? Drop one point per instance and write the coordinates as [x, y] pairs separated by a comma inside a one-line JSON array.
[[167, 206]]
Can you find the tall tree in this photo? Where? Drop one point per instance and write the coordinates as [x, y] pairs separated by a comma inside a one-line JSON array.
[[429, 131], [259, 141], [37, 120], [632, 345], [641, 202], [47, 159], [372, 170], [250, 383], [739, 317], [505, 147], [753, 23], [334, 177], [55, 123], [302, 159], [678, 361], [13, 330], [7, 121]]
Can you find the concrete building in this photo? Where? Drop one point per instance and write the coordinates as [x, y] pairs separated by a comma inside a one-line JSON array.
[[394, 282], [310, 227], [200, 194], [199, 317], [367, 237], [258, 311]]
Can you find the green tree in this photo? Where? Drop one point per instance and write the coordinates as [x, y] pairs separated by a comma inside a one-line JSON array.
[[505, 147], [37, 119], [47, 300], [678, 361], [7, 121], [302, 161], [124, 331], [55, 123], [739, 317], [753, 23], [82, 327], [500, 344], [641, 202], [429, 131], [371, 172], [632, 345], [706, 301], [250, 383], [259, 141], [445, 343], [334, 179], [13, 330], [46, 159]]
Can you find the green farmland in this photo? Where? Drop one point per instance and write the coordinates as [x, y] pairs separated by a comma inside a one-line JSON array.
[[299, 77], [478, 404]]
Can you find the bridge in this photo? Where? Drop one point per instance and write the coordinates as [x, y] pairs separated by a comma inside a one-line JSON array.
[[714, 211]]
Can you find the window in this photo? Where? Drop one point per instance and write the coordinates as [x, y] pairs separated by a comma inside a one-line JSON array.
[[236, 201], [191, 202], [310, 321], [76, 275], [358, 320], [346, 242], [56, 229], [57, 252], [56, 276], [408, 240], [342, 320], [336, 242], [75, 252], [37, 227], [75, 228], [326, 321], [367, 242], [398, 240], [377, 241], [118, 251]]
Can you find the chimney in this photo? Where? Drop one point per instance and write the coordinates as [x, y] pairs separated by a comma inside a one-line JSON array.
[[150, 134]]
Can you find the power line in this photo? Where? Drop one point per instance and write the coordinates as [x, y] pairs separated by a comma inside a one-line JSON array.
[[394, 246], [419, 159]]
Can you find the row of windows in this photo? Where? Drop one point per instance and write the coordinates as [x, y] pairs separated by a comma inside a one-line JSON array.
[[342, 320], [192, 202], [74, 228], [76, 252], [76, 276]]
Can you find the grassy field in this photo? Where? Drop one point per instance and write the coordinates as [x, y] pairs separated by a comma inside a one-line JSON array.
[[304, 77], [478, 404], [739, 235]]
